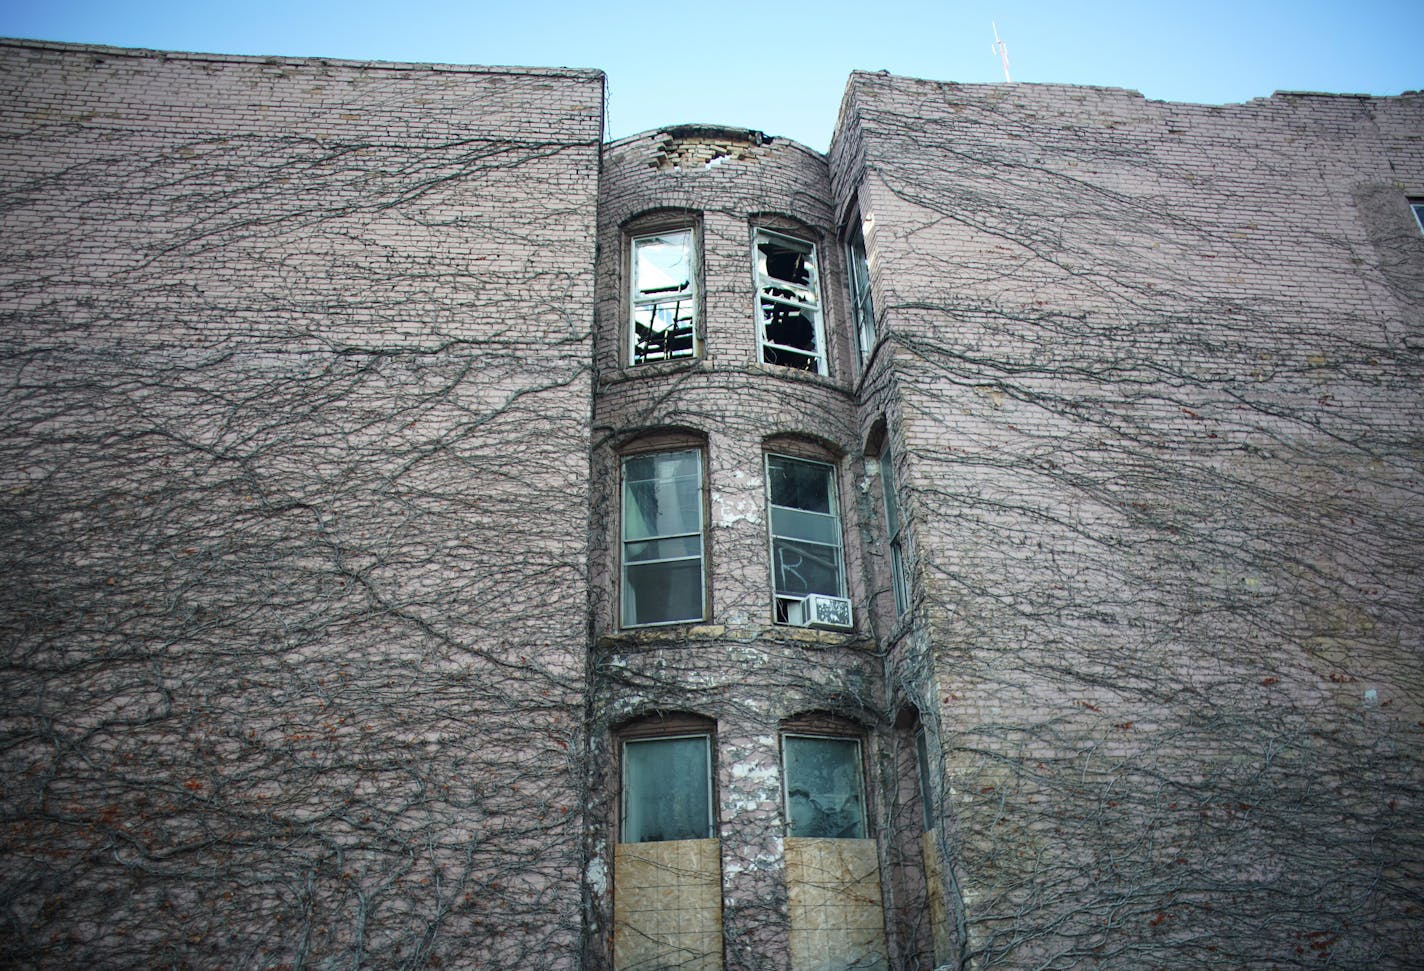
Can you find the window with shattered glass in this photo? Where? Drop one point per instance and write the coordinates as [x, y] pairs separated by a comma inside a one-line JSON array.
[[825, 789], [805, 522], [664, 298], [789, 302], [667, 789]]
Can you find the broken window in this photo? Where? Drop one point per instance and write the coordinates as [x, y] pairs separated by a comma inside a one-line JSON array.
[[662, 538], [667, 789], [898, 580], [805, 534], [825, 791], [664, 297], [862, 307], [788, 295]]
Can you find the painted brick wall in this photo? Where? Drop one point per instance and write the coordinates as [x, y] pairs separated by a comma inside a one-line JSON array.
[[1154, 371], [314, 396], [295, 436]]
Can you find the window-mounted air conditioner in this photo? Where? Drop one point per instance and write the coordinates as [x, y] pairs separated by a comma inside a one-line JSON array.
[[819, 610]]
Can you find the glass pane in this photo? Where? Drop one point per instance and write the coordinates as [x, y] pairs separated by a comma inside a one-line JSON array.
[[676, 547], [790, 262], [663, 330], [816, 527], [862, 307], [898, 579], [666, 790], [662, 264], [788, 326], [665, 508], [662, 495], [662, 593], [662, 465], [823, 787], [800, 485], [802, 568]]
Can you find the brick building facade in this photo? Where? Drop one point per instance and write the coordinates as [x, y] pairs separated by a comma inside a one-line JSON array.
[[435, 537]]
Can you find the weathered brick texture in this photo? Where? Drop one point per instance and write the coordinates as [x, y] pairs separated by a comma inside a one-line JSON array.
[[296, 425], [316, 391], [1155, 372]]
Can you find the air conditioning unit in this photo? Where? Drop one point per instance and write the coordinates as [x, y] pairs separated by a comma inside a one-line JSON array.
[[819, 610]]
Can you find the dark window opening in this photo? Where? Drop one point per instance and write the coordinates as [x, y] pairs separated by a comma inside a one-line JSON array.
[[788, 296]]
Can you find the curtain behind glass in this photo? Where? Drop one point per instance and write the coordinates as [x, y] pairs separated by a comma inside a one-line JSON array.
[[667, 790]]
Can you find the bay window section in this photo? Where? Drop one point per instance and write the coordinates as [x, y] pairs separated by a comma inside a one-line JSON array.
[[806, 554], [664, 297], [662, 575], [789, 302]]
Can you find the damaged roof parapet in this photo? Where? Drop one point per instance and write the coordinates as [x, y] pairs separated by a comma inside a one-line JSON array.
[[705, 146]]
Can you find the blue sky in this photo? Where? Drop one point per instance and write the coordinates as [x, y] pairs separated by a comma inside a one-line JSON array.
[[781, 67]]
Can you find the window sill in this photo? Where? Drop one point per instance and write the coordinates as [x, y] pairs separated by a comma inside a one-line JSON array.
[[685, 634], [653, 369], [795, 374]]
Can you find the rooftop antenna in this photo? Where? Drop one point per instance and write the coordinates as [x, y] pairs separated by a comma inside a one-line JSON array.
[[1002, 51]]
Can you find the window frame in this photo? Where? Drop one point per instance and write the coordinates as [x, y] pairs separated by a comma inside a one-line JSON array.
[[624, 586], [862, 300], [860, 776], [833, 492], [812, 309], [638, 299], [665, 734], [1416, 206], [894, 529]]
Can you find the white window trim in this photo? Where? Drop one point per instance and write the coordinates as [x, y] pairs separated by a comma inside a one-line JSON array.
[[812, 311], [778, 598], [637, 300], [623, 540], [1417, 207]]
